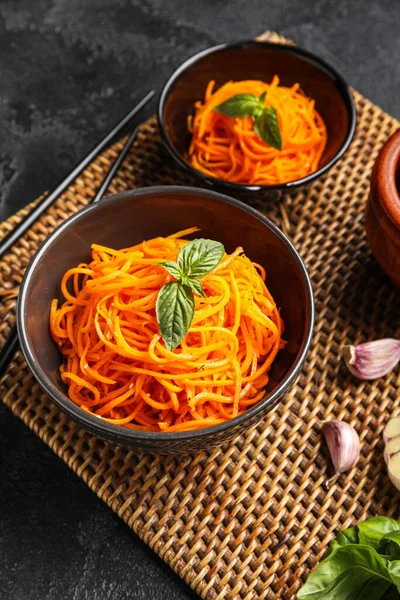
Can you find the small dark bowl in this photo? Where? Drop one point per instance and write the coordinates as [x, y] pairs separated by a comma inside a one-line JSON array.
[[126, 219], [261, 61]]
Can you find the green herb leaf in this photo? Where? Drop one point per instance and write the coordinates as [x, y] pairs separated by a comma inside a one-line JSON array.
[[175, 310], [266, 124], [394, 572], [352, 572], [175, 300], [364, 562], [391, 594], [372, 530], [257, 114], [199, 257], [172, 268], [348, 536], [390, 545], [241, 105], [266, 127], [196, 286], [262, 97]]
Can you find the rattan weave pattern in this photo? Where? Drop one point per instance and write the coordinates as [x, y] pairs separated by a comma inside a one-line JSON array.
[[248, 520]]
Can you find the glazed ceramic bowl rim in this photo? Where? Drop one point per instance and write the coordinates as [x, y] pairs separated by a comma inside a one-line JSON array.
[[93, 423], [389, 159], [320, 63]]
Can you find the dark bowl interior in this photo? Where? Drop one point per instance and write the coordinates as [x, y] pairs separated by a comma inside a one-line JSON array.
[[128, 218], [261, 61]]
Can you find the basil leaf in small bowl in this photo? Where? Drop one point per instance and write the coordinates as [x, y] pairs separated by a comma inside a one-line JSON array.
[[267, 128], [241, 105]]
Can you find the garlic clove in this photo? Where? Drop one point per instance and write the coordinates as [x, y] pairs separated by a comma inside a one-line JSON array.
[[343, 444], [372, 359], [392, 429], [391, 437], [394, 470], [391, 448]]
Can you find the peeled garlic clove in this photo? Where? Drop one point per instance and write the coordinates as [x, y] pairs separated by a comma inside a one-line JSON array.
[[392, 447], [394, 470], [392, 429], [391, 436], [373, 359], [343, 444]]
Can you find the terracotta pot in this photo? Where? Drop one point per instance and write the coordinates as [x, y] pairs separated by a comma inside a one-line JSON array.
[[383, 209]]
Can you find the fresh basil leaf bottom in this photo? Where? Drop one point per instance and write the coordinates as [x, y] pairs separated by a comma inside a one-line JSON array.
[[267, 128], [342, 575], [394, 572], [175, 310], [390, 545], [372, 530]]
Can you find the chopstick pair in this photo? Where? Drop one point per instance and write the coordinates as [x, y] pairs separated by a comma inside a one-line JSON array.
[[11, 344]]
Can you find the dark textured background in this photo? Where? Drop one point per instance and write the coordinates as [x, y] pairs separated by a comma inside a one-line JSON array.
[[69, 69]]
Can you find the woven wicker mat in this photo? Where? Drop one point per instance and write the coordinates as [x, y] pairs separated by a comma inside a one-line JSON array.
[[249, 520]]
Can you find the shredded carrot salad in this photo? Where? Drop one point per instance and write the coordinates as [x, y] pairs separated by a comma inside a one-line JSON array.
[[117, 366], [228, 148]]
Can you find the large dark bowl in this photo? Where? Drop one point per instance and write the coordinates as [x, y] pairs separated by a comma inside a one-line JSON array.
[[261, 61], [128, 218]]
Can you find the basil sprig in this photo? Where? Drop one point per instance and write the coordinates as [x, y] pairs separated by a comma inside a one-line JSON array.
[[175, 300], [363, 562], [266, 124]]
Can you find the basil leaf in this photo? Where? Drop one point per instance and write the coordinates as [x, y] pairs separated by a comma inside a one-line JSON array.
[[266, 127], [266, 124], [391, 594], [394, 572], [199, 257], [390, 545], [195, 285], [257, 113], [348, 536], [172, 268], [175, 310], [349, 572], [372, 530], [262, 97], [355, 584], [241, 105]]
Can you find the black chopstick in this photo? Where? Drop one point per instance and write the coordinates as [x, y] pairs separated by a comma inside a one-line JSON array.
[[37, 212], [120, 159], [8, 350], [11, 344]]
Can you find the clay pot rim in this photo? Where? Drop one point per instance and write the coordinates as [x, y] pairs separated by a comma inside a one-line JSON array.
[[387, 168]]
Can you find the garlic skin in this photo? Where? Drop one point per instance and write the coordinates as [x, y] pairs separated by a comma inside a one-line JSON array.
[[372, 359], [343, 444]]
